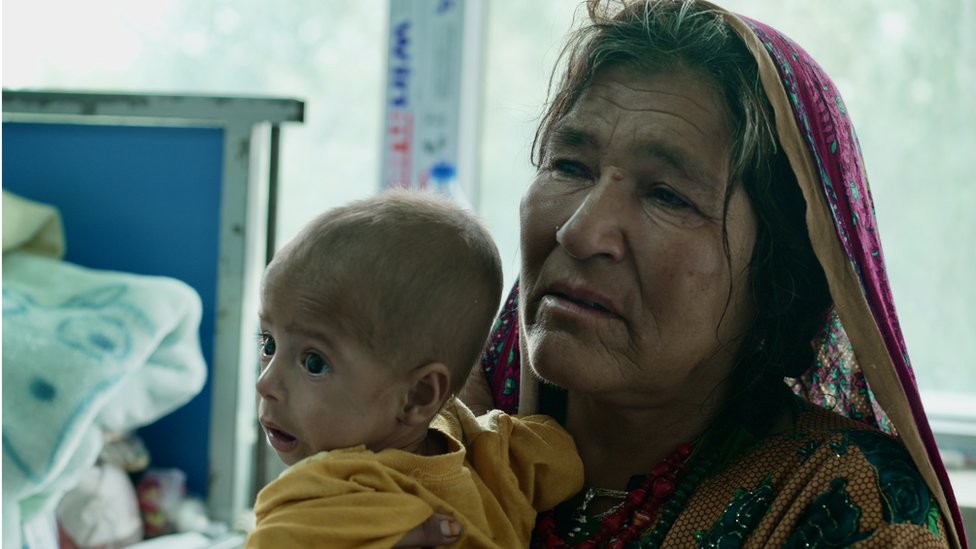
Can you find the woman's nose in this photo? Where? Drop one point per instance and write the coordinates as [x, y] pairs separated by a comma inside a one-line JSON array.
[[269, 385], [594, 229]]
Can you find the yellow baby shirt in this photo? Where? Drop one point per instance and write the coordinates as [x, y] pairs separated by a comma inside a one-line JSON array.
[[499, 471]]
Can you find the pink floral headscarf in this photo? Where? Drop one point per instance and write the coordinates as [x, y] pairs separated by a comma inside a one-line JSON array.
[[863, 370]]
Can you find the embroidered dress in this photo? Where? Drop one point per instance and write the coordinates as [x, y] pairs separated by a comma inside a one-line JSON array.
[[859, 464], [828, 482]]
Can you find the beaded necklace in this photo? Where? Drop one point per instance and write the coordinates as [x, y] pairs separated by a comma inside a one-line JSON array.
[[623, 524], [593, 492]]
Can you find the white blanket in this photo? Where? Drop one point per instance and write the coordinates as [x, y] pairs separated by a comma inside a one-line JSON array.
[[85, 352]]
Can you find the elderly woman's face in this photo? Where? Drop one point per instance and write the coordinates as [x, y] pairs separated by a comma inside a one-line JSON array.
[[625, 283]]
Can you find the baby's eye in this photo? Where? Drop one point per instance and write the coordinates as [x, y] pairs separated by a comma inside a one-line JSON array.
[[267, 344], [316, 364]]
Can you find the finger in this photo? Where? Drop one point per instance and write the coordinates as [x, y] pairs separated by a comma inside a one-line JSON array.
[[437, 530]]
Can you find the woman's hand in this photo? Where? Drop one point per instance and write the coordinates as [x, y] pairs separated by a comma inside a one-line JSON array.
[[436, 530]]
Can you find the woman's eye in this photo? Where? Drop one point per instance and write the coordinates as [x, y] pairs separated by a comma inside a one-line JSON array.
[[267, 344], [570, 168], [668, 197], [316, 364]]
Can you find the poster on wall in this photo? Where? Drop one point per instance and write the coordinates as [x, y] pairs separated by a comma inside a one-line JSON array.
[[432, 96]]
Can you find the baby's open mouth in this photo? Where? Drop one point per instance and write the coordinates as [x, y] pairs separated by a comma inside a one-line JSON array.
[[280, 434], [280, 440]]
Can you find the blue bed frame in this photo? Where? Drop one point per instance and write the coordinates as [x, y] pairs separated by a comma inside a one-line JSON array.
[[179, 186]]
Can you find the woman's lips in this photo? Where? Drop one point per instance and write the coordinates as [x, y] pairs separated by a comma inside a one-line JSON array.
[[583, 302], [579, 300], [567, 305]]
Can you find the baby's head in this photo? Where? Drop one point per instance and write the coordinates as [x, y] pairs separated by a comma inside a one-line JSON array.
[[371, 317]]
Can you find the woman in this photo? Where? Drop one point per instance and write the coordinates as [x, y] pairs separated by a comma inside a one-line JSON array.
[[699, 230]]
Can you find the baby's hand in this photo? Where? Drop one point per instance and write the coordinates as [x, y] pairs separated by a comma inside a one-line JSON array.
[[433, 532]]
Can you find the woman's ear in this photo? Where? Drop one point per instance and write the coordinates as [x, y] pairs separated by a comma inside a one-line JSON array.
[[430, 386]]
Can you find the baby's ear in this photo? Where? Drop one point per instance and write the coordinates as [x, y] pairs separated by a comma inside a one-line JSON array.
[[430, 385]]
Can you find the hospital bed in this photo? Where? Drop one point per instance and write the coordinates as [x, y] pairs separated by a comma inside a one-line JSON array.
[[176, 186]]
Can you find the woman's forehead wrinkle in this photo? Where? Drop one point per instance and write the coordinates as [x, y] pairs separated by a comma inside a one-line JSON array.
[[656, 120], [653, 90], [671, 106], [568, 135]]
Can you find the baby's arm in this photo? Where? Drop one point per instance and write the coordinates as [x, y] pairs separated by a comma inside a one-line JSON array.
[[544, 459], [349, 504], [541, 455]]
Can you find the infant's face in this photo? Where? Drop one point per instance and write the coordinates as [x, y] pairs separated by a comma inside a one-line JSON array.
[[319, 388]]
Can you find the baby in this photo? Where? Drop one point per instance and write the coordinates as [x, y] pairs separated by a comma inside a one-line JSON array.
[[371, 319]]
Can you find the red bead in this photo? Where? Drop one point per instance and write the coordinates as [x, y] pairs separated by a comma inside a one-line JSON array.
[[640, 518], [611, 523], [636, 496], [660, 470], [636, 512], [662, 488], [650, 510]]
